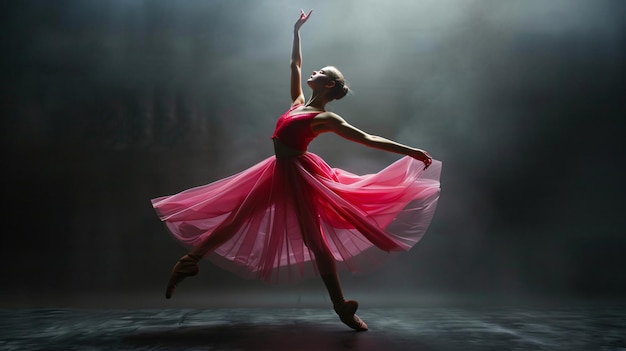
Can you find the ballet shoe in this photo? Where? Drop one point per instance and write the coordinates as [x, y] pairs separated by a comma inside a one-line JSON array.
[[187, 266], [346, 312]]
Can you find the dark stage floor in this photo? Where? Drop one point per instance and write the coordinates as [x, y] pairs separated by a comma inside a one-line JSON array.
[[576, 327]]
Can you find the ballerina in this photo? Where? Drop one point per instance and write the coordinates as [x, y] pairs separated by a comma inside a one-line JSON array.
[[291, 215]]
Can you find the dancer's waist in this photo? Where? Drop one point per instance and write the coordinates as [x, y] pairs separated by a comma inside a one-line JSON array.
[[282, 150]]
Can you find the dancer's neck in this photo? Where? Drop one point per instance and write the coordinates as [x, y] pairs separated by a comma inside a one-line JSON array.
[[317, 102]]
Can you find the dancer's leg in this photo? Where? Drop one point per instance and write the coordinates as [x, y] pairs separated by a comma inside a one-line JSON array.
[[327, 267], [345, 309], [221, 235], [187, 266], [315, 240]]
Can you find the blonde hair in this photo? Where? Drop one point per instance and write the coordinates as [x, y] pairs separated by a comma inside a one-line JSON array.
[[341, 88]]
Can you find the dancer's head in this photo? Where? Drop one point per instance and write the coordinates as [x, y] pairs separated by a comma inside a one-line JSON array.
[[330, 81]]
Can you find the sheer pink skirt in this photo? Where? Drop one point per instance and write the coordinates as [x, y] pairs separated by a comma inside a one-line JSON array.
[[281, 208]]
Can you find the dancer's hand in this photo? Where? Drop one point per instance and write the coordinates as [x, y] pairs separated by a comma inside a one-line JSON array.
[[303, 18], [423, 156]]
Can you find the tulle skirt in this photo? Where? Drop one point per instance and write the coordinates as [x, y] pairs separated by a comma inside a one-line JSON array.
[[280, 210]]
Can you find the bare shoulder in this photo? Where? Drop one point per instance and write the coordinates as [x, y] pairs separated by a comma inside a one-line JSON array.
[[326, 121], [328, 117]]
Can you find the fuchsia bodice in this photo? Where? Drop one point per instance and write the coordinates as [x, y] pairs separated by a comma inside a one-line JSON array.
[[295, 130]]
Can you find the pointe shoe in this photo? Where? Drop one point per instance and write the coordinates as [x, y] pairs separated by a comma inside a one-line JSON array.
[[346, 312], [187, 266]]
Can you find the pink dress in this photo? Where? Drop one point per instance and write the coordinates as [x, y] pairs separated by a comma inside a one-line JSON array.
[[283, 205]]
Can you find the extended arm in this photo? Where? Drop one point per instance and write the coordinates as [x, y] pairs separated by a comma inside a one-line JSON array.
[[297, 96], [330, 122]]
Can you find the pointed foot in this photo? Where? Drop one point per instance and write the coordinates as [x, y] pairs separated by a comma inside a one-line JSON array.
[[187, 266], [346, 312]]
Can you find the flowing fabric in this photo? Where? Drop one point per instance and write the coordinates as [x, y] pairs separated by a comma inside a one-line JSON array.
[[282, 206]]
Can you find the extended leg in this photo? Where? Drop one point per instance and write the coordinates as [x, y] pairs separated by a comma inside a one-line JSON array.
[[187, 266]]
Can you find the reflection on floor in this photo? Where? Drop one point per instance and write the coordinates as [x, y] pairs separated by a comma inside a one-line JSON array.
[[424, 328]]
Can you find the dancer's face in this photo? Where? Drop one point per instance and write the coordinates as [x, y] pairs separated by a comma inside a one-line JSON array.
[[320, 79]]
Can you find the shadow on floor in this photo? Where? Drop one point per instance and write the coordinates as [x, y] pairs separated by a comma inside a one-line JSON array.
[[255, 336]]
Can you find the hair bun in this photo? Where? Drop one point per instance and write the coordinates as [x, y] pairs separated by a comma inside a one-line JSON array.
[[341, 88], [343, 92]]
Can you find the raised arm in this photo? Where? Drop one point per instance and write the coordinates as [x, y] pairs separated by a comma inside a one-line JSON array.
[[331, 122], [297, 96]]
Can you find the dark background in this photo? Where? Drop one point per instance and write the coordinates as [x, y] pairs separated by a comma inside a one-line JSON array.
[[107, 104]]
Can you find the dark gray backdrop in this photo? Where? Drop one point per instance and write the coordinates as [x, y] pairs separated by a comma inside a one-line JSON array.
[[106, 104]]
